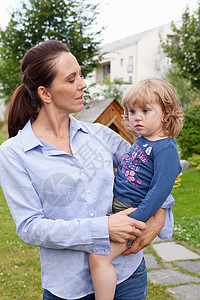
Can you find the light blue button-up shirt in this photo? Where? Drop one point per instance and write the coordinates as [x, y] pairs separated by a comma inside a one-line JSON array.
[[59, 202]]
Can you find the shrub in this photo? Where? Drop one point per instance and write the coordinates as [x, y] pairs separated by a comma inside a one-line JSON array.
[[195, 161], [189, 137]]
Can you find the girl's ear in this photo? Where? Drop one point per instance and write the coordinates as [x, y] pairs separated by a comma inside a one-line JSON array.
[[165, 119], [44, 94]]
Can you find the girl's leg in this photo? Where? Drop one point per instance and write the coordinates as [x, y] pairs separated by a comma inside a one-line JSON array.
[[103, 273]]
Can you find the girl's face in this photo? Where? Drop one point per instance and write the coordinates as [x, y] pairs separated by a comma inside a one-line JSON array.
[[66, 91], [147, 120]]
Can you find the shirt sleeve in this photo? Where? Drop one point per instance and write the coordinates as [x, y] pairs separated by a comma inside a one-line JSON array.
[[166, 169], [117, 145], [89, 234], [169, 202]]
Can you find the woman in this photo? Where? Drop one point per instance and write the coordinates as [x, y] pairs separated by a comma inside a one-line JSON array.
[[57, 178]]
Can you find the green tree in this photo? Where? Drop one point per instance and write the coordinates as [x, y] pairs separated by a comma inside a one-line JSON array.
[[186, 93], [189, 137], [112, 89], [183, 47], [70, 21], [105, 89]]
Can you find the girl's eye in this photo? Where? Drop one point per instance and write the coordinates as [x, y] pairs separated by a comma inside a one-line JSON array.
[[145, 110], [131, 111]]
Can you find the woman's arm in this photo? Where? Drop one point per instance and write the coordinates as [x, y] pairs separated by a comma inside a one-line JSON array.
[[123, 228], [85, 234]]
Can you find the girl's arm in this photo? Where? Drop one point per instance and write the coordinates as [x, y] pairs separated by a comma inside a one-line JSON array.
[[154, 226], [166, 169]]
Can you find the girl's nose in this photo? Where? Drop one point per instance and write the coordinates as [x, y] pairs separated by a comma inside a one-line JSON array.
[[138, 116]]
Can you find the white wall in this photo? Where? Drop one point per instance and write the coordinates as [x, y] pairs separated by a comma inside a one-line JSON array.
[[148, 49]]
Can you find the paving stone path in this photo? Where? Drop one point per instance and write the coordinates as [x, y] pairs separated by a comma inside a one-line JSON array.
[[178, 270]]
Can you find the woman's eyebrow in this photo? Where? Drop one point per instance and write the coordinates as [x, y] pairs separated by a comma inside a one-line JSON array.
[[73, 74], [70, 75]]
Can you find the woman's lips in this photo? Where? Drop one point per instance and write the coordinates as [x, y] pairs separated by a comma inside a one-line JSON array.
[[80, 98]]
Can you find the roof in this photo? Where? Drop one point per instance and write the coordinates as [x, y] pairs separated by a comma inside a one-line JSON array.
[[93, 110], [126, 42]]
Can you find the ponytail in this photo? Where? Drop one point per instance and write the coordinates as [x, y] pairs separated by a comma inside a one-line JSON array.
[[21, 109], [38, 68]]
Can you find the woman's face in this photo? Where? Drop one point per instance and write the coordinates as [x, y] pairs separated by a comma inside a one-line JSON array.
[[66, 91]]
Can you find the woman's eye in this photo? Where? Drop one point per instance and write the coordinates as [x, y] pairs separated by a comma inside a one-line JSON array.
[[71, 80]]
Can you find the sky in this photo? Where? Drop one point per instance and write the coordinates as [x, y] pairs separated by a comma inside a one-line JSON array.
[[123, 18]]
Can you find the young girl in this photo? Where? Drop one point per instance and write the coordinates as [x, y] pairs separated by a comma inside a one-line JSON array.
[[147, 172]]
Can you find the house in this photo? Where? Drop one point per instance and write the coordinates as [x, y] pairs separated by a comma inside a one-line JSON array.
[[107, 112], [134, 58]]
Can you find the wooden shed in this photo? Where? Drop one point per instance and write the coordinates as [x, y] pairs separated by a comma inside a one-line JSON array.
[[107, 112]]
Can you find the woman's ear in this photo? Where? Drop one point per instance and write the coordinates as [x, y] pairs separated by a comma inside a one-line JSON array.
[[44, 94]]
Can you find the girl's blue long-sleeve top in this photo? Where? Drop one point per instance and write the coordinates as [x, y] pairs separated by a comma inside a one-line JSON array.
[[146, 175]]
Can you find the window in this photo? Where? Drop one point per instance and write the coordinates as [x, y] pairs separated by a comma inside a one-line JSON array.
[[106, 70], [130, 79], [130, 68], [130, 60], [121, 62], [130, 64], [170, 39]]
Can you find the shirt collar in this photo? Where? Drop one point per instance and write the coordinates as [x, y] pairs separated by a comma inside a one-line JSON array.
[[30, 141], [76, 124]]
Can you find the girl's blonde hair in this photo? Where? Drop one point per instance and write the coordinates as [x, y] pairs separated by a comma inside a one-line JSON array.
[[154, 90]]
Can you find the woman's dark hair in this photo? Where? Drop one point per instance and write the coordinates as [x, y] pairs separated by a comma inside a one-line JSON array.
[[38, 68]]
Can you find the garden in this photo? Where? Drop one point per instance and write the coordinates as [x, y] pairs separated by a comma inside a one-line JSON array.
[[20, 263]]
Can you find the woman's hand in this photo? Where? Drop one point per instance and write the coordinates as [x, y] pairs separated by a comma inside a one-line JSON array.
[[123, 228], [154, 226]]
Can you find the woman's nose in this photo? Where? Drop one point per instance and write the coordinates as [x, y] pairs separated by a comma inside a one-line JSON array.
[[82, 84]]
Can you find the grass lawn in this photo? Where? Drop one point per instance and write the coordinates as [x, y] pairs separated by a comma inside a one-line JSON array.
[[3, 136], [20, 264], [187, 208]]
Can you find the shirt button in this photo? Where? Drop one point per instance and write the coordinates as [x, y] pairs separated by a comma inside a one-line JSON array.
[[91, 214], [88, 191]]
